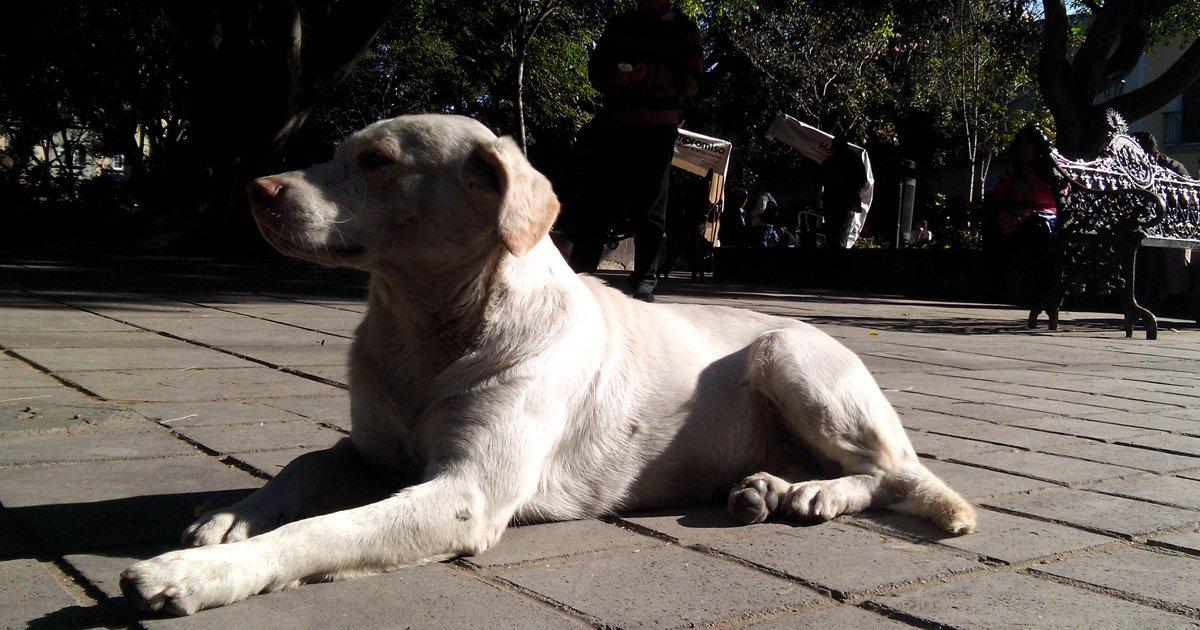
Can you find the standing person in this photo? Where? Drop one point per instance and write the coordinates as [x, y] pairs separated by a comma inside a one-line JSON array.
[[763, 214], [843, 177], [1026, 202], [1170, 266], [1150, 145], [645, 63], [923, 234]]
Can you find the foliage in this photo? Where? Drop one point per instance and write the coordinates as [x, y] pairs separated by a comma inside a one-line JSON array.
[[977, 67], [136, 72]]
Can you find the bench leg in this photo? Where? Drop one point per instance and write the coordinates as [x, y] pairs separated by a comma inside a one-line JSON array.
[[1133, 310]]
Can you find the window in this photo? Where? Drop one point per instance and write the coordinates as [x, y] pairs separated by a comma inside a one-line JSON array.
[[118, 162]]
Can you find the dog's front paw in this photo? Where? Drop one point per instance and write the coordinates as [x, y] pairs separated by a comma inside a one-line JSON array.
[[183, 582], [231, 524]]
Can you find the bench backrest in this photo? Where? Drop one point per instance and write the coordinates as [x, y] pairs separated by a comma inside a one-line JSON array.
[[1124, 184]]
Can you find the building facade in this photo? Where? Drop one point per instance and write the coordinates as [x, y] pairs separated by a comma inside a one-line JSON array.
[[1176, 126]]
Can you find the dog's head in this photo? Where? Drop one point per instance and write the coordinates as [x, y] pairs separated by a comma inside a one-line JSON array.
[[415, 188]]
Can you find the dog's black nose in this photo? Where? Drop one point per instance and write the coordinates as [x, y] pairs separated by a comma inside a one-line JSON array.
[[264, 189]]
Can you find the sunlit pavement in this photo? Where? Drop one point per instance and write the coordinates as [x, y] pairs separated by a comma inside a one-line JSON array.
[[138, 392]]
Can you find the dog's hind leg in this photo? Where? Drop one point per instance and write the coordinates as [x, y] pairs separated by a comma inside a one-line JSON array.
[[829, 402]]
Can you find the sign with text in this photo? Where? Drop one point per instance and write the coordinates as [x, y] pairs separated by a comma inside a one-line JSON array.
[[700, 154]]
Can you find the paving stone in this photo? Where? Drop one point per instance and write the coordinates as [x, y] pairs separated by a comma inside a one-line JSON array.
[[195, 414], [1158, 488], [1159, 421], [28, 449], [58, 320], [932, 420], [1129, 456], [433, 596], [1007, 600], [944, 446], [70, 359], [1043, 466], [1184, 414], [1057, 407], [14, 374], [334, 410], [1098, 512], [1182, 444], [42, 409], [985, 411], [133, 339], [659, 587], [332, 353], [689, 526], [228, 333], [30, 597], [1162, 576], [73, 507], [834, 617], [975, 483], [334, 373], [1008, 435], [1084, 428], [999, 536], [549, 540], [202, 384], [271, 462], [264, 436], [844, 558], [1187, 542], [910, 399]]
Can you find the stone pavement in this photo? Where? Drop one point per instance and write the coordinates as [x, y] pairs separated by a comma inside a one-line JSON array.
[[137, 393]]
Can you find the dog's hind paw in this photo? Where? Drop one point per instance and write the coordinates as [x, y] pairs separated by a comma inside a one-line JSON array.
[[230, 524], [756, 498]]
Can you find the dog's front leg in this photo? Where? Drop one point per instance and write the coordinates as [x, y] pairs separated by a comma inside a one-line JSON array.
[[442, 518], [490, 468]]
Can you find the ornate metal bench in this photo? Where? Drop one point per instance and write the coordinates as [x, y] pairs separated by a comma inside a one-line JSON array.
[[1112, 205]]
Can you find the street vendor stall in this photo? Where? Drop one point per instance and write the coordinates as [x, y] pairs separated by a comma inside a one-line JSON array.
[[817, 146], [704, 155]]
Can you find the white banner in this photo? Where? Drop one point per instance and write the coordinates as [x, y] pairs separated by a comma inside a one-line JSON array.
[[817, 145], [700, 154]]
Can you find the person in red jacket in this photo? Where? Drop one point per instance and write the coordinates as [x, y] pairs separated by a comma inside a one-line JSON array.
[[645, 64], [1027, 214]]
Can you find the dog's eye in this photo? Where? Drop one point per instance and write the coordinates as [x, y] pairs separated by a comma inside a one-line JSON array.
[[375, 159]]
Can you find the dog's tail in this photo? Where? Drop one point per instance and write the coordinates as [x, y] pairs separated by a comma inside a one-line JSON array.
[[923, 494]]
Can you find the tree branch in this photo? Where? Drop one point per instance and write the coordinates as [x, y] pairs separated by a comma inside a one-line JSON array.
[[1134, 38], [1154, 95], [1091, 59]]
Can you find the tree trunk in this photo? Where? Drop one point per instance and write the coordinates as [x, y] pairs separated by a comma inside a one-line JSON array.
[[1116, 39], [520, 99]]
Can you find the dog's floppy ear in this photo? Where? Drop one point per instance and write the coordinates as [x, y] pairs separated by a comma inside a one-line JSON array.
[[528, 206]]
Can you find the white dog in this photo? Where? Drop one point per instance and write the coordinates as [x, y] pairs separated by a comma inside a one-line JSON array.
[[522, 392]]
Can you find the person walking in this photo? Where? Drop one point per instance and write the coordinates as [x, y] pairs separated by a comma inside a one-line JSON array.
[[646, 62]]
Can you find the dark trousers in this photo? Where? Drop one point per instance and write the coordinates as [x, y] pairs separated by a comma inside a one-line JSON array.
[[625, 187]]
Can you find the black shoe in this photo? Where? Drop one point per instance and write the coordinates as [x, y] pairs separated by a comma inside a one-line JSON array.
[[644, 294]]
